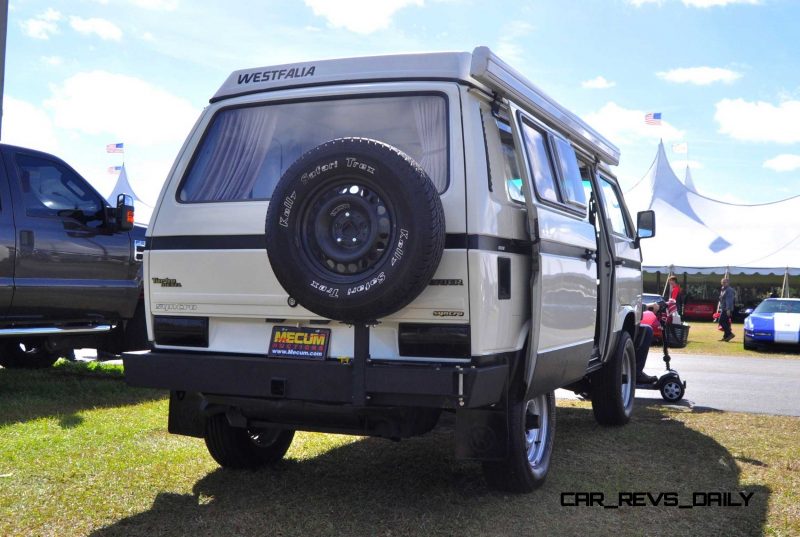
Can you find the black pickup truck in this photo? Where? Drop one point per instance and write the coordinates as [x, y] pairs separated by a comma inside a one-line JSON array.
[[70, 264]]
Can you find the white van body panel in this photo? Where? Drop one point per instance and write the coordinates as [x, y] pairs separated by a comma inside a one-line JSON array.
[[237, 290]]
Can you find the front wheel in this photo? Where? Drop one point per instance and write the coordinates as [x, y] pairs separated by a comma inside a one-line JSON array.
[[672, 390], [532, 427], [234, 447], [614, 386]]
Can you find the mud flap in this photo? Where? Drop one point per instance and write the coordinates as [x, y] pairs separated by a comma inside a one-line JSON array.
[[482, 434], [186, 414]]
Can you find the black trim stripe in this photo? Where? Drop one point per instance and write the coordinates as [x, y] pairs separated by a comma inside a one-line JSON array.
[[207, 242], [565, 250], [629, 263], [453, 241], [462, 241]]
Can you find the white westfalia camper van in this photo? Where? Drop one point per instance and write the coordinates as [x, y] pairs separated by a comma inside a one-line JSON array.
[[359, 245]]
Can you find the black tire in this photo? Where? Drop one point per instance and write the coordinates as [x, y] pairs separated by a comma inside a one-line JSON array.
[[614, 385], [355, 230], [238, 448], [531, 429], [26, 355], [672, 390]]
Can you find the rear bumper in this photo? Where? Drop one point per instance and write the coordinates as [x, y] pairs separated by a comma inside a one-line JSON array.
[[327, 382]]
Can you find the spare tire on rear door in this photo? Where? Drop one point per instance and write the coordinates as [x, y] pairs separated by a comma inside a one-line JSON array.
[[355, 230]]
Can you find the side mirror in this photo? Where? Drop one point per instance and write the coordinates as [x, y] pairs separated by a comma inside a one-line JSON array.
[[645, 226], [124, 212]]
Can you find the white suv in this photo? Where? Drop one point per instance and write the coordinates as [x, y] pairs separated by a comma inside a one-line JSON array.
[[357, 245]]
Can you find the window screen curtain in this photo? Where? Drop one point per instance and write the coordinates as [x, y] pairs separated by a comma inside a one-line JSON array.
[[429, 118], [244, 136]]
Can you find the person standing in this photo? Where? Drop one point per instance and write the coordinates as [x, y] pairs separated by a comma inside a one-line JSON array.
[[674, 288], [725, 308]]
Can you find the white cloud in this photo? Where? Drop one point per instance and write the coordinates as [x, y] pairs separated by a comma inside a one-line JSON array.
[[703, 4], [102, 28], [359, 16], [157, 5], [27, 125], [715, 3], [783, 163], [126, 109], [759, 121], [53, 61], [598, 83], [701, 76], [627, 126], [509, 47], [43, 25]]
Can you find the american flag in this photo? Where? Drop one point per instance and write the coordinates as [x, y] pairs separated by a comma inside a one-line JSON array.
[[114, 169], [115, 148], [653, 118]]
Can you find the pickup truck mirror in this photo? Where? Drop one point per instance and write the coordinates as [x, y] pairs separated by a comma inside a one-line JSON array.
[[124, 212], [645, 226]]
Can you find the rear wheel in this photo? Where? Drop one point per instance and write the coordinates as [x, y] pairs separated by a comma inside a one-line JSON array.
[[234, 447], [532, 426], [26, 355], [614, 386]]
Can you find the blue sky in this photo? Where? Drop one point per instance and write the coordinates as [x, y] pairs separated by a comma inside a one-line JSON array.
[[725, 74]]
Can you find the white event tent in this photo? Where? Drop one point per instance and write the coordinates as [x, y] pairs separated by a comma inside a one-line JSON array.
[[696, 234], [122, 186]]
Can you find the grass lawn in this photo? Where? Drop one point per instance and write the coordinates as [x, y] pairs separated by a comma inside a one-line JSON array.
[[704, 338], [83, 454]]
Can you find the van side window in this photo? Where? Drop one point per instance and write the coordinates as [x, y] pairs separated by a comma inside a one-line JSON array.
[[50, 189], [571, 183], [513, 179], [541, 167], [614, 210]]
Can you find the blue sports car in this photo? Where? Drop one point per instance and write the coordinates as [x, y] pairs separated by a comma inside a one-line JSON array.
[[775, 320]]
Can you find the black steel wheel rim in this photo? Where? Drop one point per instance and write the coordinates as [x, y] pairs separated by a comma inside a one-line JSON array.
[[346, 228]]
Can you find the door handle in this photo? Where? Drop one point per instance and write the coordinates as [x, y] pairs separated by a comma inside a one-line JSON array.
[[26, 241]]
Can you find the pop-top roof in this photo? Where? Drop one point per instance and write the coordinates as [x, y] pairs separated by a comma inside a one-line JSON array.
[[431, 66], [480, 68]]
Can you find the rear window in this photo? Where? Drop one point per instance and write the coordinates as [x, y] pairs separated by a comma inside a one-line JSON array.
[[246, 150]]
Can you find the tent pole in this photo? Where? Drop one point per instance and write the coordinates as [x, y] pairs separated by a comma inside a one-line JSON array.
[[785, 286], [666, 284]]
